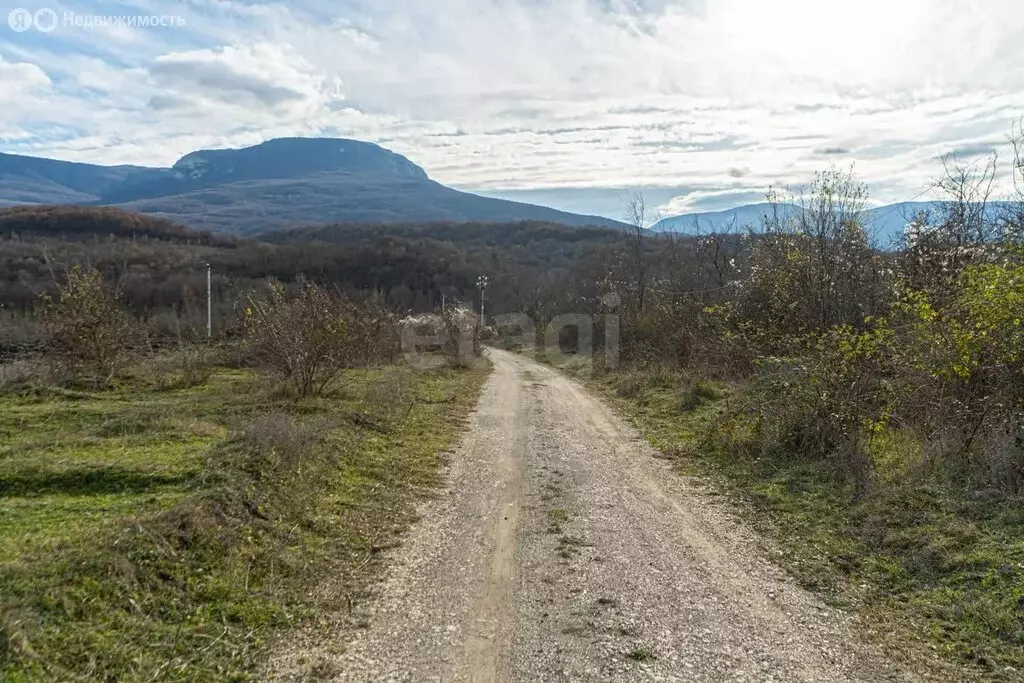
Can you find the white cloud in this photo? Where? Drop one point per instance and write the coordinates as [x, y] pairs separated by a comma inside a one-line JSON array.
[[22, 86], [261, 78], [716, 97], [17, 78]]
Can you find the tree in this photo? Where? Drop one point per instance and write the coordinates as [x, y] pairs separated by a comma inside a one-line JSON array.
[[814, 265], [636, 218], [1012, 218], [962, 232], [85, 326]]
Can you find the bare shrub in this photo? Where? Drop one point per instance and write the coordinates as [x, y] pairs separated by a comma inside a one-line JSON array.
[[276, 443], [19, 333], [310, 339], [963, 231], [374, 332], [18, 374], [194, 366], [1001, 454], [87, 332], [636, 216], [189, 364], [271, 464], [630, 385], [1012, 214]]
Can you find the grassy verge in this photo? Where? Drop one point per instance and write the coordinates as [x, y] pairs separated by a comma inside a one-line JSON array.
[[921, 562], [153, 533]]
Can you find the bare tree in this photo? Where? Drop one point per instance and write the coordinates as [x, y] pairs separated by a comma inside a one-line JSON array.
[[961, 232], [967, 187], [1012, 216], [636, 216], [718, 254]]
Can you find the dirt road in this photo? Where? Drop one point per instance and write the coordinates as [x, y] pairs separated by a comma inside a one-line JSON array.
[[564, 550]]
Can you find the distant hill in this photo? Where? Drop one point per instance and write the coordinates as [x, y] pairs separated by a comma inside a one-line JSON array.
[[32, 180], [162, 266], [251, 207], [279, 183], [717, 221], [77, 224], [886, 223], [542, 247]]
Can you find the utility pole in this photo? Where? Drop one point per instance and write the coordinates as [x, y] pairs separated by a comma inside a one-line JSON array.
[[209, 302], [481, 284]]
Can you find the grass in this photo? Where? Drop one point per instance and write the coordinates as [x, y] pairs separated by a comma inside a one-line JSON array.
[[919, 560], [158, 534]]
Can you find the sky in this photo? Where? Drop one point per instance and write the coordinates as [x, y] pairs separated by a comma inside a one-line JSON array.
[[700, 104]]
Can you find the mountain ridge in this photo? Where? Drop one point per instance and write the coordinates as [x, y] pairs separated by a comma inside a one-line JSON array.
[[886, 223], [278, 183]]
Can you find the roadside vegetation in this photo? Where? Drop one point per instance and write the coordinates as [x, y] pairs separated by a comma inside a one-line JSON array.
[[868, 404], [168, 505]]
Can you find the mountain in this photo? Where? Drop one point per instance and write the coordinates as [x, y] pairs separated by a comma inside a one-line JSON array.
[[284, 158], [252, 207], [717, 221], [31, 180], [279, 183], [885, 223]]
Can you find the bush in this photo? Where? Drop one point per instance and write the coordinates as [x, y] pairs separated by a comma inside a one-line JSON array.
[[87, 332], [959, 368], [18, 374], [696, 393], [19, 333], [270, 466], [310, 339], [188, 365], [825, 403]]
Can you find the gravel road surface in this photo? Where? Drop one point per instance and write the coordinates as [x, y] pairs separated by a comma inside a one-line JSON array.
[[563, 549]]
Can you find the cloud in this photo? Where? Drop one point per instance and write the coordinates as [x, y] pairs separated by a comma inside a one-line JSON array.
[[976, 149], [17, 78], [23, 88], [721, 97], [699, 201], [218, 81], [265, 76]]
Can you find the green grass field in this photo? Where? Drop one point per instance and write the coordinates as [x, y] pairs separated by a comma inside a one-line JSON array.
[[148, 533]]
